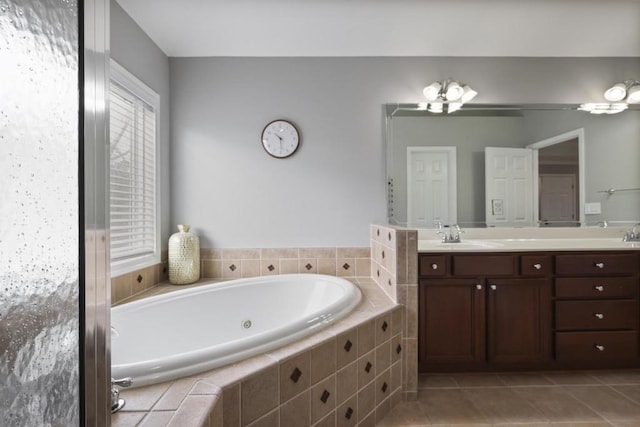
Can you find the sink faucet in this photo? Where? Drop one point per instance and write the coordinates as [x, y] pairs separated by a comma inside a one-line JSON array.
[[633, 235], [449, 235], [116, 402]]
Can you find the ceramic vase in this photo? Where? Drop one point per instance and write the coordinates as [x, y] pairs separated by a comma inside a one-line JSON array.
[[184, 256]]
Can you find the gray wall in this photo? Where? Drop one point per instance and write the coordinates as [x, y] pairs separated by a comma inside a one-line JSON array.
[[235, 195], [135, 51]]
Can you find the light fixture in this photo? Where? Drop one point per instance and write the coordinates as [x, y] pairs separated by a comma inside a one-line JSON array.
[[628, 91], [447, 95]]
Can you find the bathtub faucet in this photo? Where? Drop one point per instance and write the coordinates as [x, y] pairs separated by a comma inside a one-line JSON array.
[[116, 402], [633, 235]]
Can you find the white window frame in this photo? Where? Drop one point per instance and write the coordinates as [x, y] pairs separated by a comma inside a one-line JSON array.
[[136, 87]]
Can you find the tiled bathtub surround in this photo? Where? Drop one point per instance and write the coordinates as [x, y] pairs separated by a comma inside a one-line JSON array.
[[241, 263], [394, 258], [349, 374]]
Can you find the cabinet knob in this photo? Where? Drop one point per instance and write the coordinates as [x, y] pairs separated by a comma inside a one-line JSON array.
[[479, 287], [599, 288], [493, 287], [599, 264], [537, 266], [599, 347], [599, 315], [434, 266]]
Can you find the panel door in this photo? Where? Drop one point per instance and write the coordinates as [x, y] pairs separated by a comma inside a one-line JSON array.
[[519, 320], [508, 186], [431, 186], [451, 321], [558, 195]]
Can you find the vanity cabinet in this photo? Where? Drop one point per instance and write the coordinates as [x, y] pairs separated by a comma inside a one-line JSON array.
[[476, 310], [535, 310]]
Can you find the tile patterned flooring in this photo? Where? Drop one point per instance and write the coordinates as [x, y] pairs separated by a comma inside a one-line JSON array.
[[558, 399]]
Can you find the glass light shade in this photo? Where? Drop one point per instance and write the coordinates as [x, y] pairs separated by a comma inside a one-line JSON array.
[[431, 92], [435, 108], [633, 94], [616, 92], [454, 92], [603, 108], [454, 106], [468, 94]]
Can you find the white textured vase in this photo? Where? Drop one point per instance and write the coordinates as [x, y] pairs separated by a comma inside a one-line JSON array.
[[184, 256]]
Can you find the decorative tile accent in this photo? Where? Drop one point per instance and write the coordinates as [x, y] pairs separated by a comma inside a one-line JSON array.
[[348, 345], [271, 267], [349, 413], [325, 396], [384, 326], [384, 387], [295, 375], [346, 266], [398, 349], [232, 267], [368, 367], [308, 266], [139, 278]]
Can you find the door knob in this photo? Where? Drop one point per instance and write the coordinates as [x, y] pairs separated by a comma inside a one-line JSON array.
[[599, 264], [599, 288], [599, 347], [537, 266], [599, 315], [479, 287], [493, 287]]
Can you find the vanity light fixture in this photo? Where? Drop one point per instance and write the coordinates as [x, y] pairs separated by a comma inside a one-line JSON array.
[[628, 92], [447, 95]]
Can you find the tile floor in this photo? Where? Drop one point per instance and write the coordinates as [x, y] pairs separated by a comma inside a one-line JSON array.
[[559, 399]]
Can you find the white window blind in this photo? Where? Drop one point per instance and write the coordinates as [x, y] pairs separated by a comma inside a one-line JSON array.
[[134, 225]]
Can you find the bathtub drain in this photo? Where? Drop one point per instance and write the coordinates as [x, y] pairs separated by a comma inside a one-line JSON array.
[[246, 324]]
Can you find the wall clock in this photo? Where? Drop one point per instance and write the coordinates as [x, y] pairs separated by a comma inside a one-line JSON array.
[[280, 138]]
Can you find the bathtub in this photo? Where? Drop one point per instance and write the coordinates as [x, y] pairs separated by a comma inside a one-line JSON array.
[[185, 332]]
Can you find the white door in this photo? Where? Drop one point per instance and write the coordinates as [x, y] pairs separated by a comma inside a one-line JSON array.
[[431, 186], [508, 186], [557, 199]]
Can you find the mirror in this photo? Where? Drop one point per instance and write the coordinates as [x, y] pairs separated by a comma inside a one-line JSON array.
[[592, 153]]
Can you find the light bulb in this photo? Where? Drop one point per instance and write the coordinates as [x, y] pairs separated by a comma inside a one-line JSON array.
[[454, 92], [468, 94], [454, 106], [431, 92], [435, 108], [616, 92], [633, 94]]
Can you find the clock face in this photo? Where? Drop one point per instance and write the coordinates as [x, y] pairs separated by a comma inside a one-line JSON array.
[[280, 138]]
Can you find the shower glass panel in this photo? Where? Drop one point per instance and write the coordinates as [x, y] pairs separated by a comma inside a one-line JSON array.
[[39, 213]]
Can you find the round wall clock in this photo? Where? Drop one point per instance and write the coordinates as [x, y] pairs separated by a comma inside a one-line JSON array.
[[280, 138]]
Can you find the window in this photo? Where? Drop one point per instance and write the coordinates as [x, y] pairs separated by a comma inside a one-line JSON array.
[[134, 202]]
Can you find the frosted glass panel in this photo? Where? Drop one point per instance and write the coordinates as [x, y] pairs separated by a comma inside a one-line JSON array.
[[39, 242]]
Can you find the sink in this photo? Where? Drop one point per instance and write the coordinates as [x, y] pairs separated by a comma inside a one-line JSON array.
[[465, 244]]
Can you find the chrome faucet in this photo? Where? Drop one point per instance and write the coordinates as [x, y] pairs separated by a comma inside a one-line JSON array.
[[116, 402], [449, 235], [633, 235]]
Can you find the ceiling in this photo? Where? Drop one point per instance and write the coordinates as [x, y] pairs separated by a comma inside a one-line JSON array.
[[554, 28]]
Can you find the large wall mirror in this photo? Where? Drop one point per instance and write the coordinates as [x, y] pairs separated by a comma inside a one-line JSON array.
[[561, 165]]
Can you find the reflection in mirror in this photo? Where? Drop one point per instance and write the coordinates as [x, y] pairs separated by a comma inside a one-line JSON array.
[[570, 148]]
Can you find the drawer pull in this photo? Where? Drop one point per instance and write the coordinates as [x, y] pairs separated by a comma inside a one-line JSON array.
[[434, 266], [599, 315], [599, 288], [537, 266], [479, 287], [599, 264], [599, 347], [493, 287]]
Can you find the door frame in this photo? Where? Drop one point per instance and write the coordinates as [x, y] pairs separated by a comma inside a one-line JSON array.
[[451, 177], [576, 133]]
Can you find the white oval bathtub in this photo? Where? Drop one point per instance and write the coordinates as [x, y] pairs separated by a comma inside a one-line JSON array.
[[184, 332]]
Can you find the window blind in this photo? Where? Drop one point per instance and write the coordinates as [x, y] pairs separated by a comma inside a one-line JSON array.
[[133, 175]]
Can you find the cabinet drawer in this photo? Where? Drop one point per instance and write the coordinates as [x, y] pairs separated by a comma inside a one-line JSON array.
[[483, 265], [597, 287], [535, 265], [596, 264], [596, 315], [618, 345], [433, 265]]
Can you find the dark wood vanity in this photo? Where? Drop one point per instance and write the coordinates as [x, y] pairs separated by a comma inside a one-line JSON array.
[[528, 310]]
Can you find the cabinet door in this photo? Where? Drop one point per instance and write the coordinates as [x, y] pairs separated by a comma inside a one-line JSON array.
[[519, 320], [451, 321]]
